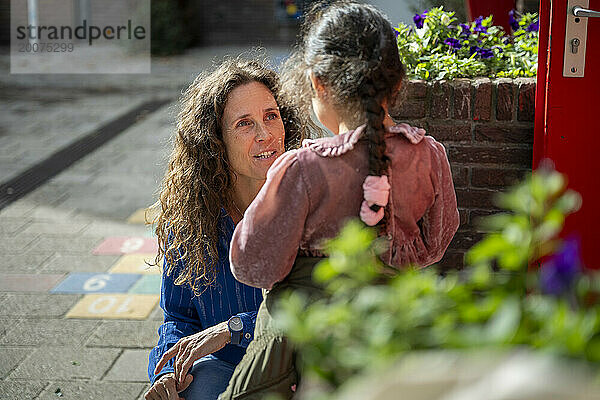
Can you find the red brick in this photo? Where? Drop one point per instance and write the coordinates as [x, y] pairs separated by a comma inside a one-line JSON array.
[[490, 155], [464, 217], [441, 93], [505, 103], [504, 134], [483, 100], [496, 177], [415, 89], [460, 176], [450, 132], [526, 109], [476, 198], [462, 99], [409, 108]]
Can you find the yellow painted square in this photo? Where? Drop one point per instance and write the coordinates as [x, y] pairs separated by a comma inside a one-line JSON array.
[[141, 215], [114, 306], [135, 264]]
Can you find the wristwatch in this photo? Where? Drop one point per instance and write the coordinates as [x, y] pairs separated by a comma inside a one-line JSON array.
[[236, 327]]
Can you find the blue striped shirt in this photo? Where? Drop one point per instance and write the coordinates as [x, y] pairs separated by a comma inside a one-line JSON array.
[[185, 314]]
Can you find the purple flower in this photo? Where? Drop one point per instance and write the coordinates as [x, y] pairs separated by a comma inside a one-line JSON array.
[[558, 274], [454, 44], [533, 27], [466, 31], [479, 27], [486, 53], [396, 33], [481, 52], [419, 19], [514, 23]]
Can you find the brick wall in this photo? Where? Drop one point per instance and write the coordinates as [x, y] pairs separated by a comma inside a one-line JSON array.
[[487, 128]]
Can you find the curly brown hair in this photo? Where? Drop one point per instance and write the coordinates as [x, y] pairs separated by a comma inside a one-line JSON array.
[[199, 180]]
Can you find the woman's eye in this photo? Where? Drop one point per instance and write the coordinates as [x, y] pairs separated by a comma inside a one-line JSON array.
[[242, 123], [272, 116]]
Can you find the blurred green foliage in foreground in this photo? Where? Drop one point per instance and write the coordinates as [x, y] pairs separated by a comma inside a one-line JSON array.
[[369, 319]]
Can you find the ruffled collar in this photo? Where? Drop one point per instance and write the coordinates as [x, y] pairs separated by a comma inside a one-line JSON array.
[[339, 144]]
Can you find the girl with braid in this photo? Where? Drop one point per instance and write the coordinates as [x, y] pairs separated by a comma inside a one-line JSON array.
[[390, 175]]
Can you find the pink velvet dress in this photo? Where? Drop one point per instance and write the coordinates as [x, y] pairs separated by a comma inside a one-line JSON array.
[[310, 192]]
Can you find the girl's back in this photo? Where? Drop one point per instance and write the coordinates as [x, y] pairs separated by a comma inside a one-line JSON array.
[[322, 187]]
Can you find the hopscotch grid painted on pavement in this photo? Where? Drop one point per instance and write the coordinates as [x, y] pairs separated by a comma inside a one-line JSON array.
[[130, 289]]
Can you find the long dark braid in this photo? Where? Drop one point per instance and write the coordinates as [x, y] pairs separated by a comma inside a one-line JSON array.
[[351, 48]]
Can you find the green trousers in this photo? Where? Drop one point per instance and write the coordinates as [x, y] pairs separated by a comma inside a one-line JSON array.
[[269, 365]]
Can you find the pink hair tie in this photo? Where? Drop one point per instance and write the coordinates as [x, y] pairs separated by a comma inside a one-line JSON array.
[[377, 192]]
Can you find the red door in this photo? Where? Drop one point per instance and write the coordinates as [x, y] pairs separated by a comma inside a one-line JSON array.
[[567, 124]]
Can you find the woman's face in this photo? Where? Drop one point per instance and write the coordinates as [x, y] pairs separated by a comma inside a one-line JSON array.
[[252, 131]]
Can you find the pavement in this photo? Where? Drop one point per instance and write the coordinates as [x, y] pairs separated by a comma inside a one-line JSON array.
[[78, 305]]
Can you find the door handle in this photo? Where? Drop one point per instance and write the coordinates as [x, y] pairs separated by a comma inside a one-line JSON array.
[[584, 12]]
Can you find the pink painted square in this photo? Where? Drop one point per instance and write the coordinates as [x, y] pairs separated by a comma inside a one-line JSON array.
[[127, 245]]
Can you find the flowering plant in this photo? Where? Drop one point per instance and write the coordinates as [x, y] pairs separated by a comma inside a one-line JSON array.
[[369, 319], [440, 48]]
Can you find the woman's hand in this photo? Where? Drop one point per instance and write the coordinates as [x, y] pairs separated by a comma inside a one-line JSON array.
[[193, 347], [165, 388]]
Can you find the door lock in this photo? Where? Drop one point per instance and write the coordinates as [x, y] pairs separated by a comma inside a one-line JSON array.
[[576, 37], [574, 45]]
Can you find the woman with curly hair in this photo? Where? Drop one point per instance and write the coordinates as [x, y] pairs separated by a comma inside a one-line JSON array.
[[229, 131], [390, 175]]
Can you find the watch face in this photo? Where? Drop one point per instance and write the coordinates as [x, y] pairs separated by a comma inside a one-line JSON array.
[[235, 324]]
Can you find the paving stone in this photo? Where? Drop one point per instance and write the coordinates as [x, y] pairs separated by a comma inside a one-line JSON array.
[[131, 366], [66, 244], [127, 245], [143, 393], [19, 390], [56, 228], [61, 262], [10, 225], [11, 357], [29, 282], [18, 209], [125, 334], [92, 390], [66, 362], [157, 314], [54, 332], [37, 305], [87, 282], [114, 306], [29, 262], [147, 284], [7, 324], [44, 213], [136, 264], [16, 244], [111, 228]]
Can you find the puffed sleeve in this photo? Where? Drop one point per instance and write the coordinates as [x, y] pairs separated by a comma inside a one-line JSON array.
[[266, 240], [441, 221]]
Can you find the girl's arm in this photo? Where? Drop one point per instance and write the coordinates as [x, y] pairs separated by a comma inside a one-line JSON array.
[[266, 241]]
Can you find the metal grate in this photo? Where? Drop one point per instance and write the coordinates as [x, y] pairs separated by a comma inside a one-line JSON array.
[[40, 173]]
